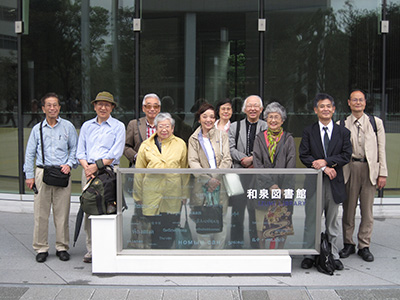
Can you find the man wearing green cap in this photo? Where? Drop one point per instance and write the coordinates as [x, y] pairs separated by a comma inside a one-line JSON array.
[[101, 142]]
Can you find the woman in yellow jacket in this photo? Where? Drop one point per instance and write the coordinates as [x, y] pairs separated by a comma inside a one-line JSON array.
[[161, 195], [209, 148]]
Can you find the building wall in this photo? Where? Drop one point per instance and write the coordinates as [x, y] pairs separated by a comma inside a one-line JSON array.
[[191, 51]]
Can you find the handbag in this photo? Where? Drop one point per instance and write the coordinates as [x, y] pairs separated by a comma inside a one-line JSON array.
[[233, 185], [208, 217], [183, 236], [232, 182], [52, 175]]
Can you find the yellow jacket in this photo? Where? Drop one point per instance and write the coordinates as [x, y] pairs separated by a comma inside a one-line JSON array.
[[161, 193]]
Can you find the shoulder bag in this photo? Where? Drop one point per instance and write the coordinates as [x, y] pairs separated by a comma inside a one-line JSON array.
[[52, 175]]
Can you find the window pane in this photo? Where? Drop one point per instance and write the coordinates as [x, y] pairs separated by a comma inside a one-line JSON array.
[[8, 100]]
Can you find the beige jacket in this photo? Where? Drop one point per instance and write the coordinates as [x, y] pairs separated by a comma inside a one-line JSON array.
[[197, 159], [374, 150]]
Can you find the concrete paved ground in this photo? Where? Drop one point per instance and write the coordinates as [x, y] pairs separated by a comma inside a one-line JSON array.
[[21, 277]]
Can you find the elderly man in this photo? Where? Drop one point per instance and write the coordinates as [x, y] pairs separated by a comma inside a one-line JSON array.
[[241, 140], [161, 197], [140, 130], [57, 138], [101, 142], [366, 172], [325, 146]]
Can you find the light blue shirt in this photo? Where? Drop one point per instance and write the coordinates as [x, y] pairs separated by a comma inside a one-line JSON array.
[[101, 141], [59, 143]]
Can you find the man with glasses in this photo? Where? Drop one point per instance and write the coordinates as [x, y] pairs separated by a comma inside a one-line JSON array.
[[366, 171], [101, 143], [241, 140], [59, 140], [140, 130], [325, 146]]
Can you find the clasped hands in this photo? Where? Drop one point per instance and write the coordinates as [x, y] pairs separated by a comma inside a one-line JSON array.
[[212, 184], [320, 163]]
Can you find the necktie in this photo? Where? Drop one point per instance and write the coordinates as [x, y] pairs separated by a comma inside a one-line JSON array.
[[358, 124], [326, 141]]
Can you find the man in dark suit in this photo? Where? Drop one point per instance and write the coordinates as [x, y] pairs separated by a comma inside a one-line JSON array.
[[326, 146], [140, 130]]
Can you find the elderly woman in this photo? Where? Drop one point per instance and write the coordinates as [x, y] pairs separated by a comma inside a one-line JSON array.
[[209, 148], [161, 195], [224, 111], [274, 148]]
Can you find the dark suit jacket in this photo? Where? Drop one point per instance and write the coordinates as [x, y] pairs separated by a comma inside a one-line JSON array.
[[135, 135], [338, 154]]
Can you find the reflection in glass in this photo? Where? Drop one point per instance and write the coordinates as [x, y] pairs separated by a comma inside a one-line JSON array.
[[297, 195]]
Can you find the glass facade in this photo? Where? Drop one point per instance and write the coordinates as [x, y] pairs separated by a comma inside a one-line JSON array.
[[193, 51]]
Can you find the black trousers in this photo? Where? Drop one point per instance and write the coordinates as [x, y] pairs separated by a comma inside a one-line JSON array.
[[239, 204], [163, 227]]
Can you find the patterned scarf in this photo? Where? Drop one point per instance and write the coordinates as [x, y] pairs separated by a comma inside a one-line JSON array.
[[272, 138]]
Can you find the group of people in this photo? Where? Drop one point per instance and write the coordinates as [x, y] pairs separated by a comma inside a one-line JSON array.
[[101, 142], [354, 165]]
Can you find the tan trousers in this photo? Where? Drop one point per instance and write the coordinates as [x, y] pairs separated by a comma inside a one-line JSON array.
[[87, 223], [60, 199], [360, 187]]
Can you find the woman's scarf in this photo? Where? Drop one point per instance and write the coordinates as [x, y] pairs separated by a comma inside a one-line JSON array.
[[272, 138]]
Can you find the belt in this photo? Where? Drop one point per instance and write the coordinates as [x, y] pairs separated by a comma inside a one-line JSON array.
[[41, 167], [359, 159]]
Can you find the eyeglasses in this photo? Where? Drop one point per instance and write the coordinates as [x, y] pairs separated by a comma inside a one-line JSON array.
[[163, 126], [152, 106], [103, 104], [355, 100], [274, 117], [252, 106], [48, 105]]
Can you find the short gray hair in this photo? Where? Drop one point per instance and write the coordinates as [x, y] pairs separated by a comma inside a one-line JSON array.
[[245, 101], [152, 95], [275, 107], [162, 117]]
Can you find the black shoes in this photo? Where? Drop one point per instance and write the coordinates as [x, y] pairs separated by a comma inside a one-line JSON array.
[[338, 265], [41, 257], [63, 255], [347, 250], [350, 249], [307, 263], [365, 254]]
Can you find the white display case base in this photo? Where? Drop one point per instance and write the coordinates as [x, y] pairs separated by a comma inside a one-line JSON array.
[[106, 259]]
